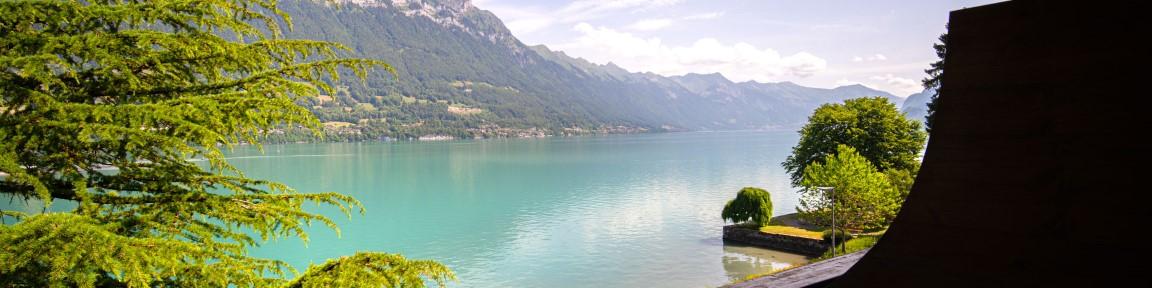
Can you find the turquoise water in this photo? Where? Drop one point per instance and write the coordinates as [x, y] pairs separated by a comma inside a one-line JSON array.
[[603, 211], [607, 211]]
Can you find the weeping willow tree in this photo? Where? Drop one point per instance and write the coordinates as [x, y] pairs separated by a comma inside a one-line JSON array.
[[104, 102], [752, 205]]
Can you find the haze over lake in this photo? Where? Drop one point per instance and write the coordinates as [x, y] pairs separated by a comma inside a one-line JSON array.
[[602, 211]]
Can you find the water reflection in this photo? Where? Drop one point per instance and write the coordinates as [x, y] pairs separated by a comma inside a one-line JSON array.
[[740, 261]]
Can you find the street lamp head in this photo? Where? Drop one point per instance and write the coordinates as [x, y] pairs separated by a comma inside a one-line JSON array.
[[825, 188]]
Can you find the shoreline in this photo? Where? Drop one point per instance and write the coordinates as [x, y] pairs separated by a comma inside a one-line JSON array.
[[785, 243], [444, 138]]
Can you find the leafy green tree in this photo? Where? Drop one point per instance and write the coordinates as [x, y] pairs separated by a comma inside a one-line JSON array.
[[935, 75], [140, 87], [871, 125], [752, 205], [901, 180], [864, 198]]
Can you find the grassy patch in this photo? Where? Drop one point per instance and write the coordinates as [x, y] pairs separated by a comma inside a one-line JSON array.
[[860, 243], [790, 231], [769, 273]]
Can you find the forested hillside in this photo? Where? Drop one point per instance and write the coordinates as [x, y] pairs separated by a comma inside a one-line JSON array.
[[461, 74], [916, 105]]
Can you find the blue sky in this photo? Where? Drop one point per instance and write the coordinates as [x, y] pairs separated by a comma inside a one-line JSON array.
[[882, 44]]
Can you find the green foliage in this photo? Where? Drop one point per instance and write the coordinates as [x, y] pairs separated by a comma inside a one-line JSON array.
[[864, 198], [841, 235], [901, 180], [873, 126], [857, 244], [139, 87], [370, 270], [935, 76], [77, 250], [752, 205]]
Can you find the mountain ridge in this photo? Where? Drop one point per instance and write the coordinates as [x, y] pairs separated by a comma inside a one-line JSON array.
[[461, 73], [916, 105]]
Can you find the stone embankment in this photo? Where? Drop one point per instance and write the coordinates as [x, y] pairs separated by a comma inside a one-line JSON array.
[[786, 243]]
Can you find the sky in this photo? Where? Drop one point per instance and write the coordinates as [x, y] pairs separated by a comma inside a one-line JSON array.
[[882, 44]]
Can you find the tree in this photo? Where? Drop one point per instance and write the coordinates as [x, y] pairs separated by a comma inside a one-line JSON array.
[[368, 270], [901, 180], [873, 126], [139, 87], [864, 198], [935, 75], [752, 205]]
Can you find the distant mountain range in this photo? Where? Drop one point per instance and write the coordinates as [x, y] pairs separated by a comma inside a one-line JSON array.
[[916, 105], [461, 74]]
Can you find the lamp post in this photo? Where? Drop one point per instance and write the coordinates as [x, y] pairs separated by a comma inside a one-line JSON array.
[[832, 193]]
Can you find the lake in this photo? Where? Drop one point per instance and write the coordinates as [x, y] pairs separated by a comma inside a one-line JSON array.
[[596, 211]]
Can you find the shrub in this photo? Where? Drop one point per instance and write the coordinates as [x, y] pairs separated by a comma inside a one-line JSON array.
[[753, 205], [841, 236]]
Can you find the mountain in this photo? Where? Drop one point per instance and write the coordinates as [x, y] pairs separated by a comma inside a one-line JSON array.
[[461, 73], [916, 105]]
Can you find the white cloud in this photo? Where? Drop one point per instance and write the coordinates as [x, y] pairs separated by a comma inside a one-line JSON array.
[[704, 16], [896, 85], [846, 82], [874, 57], [650, 24], [525, 20], [738, 61], [899, 84], [529, 25], [804, 64], [592, 9]]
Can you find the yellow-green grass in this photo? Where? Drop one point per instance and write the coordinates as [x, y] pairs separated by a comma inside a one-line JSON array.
[[860, 243], [769, 273], [791, 231]]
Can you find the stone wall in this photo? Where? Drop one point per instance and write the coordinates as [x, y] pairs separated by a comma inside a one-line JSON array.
[[792, 244]]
